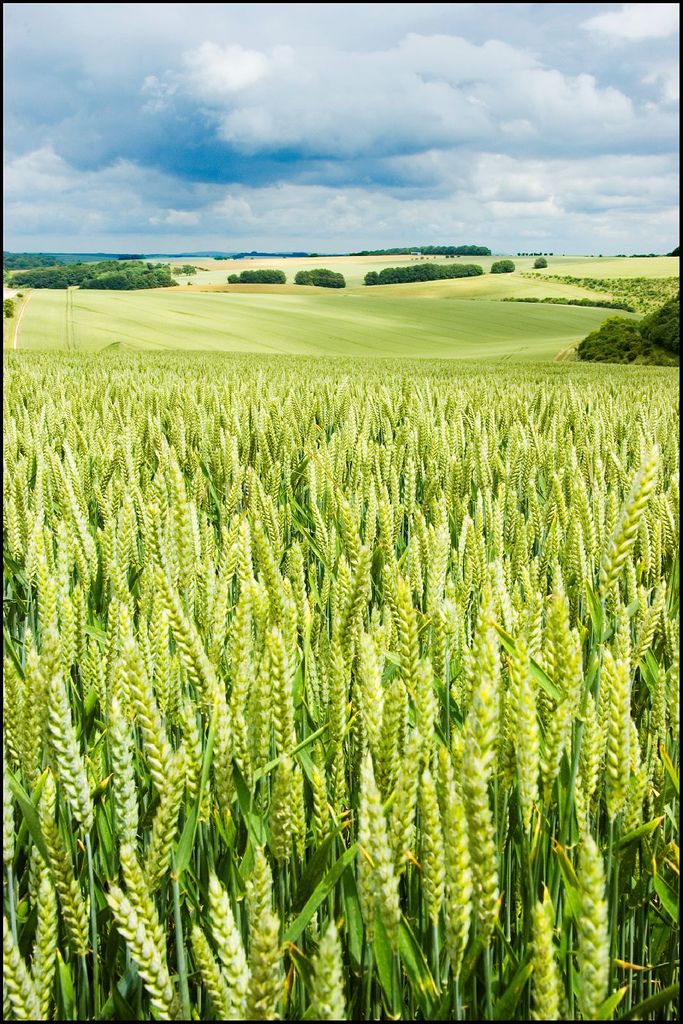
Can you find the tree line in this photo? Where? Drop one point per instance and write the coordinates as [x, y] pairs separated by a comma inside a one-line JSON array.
[[116, 275], [422, 272], [428, 250], [28, 260]]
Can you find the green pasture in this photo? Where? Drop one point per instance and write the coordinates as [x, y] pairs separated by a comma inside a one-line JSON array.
[[322, 323]]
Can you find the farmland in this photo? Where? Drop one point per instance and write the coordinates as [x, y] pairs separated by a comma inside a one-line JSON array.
[[355, 268], [336, 688], [460, 319], [315, 323]]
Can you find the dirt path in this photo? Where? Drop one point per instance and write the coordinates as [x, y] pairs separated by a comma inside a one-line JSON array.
[[16, 326], [566, 354]]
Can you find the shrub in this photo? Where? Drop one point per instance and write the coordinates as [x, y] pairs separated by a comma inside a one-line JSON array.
[[618, 340], [258, 277], [322, 278], [662, 328], [560, 301], [540, 263], [8, 309], [502, 267]]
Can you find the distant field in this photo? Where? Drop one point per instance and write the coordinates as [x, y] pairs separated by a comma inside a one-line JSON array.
[[489, 286], [584, 266], [355, 268], [461, 318], [307, 324]]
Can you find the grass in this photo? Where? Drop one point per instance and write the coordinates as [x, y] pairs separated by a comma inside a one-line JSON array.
[[309, 324], [461, 319], [9, 324]]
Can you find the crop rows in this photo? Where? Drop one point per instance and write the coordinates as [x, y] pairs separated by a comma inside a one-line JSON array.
[[339, 690]]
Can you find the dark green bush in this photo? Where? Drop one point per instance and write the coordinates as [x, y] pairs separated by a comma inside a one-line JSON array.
[[258, 277], [662, 328], [618, 340], [322, 278], [540, 263], [502, 267]]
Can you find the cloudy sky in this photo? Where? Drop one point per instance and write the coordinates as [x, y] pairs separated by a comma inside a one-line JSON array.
[[164, 127]]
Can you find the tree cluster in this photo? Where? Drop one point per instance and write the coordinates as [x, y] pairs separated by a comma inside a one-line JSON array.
[[540, 263], [186, 270], [28, 260], [422, 272], [130, 280], [108, 274], [502, 267], [258, 277], [654, 339], [254, 254], [322, 278]]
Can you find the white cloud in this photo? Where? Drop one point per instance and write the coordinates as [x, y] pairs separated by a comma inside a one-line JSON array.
[[667, 77], [159, 92], [233, 210], [636, 21], [45, 193], [425, 92], [217, 72], [176, 218], [491, 198]]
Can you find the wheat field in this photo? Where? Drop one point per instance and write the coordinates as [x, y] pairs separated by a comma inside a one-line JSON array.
[[339, 689]]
